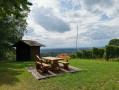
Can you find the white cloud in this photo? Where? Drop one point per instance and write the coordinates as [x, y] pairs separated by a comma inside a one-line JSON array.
[[54, 22], [49, 21], [110, 7]]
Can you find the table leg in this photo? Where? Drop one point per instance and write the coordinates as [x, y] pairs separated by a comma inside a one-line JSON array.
[[55, 64]]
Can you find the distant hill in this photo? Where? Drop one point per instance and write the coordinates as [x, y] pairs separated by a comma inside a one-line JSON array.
[[57, 51]]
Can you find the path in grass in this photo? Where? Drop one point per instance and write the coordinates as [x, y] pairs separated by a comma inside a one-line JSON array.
[[97, 75]]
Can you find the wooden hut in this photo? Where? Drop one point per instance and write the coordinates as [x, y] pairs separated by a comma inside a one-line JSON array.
[[27, 49]]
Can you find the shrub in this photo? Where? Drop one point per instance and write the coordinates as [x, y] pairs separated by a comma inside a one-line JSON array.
[[73, 55], [87, 54], [111, 51], [10, 56], [79, 54], [97, 53], [117, 52]]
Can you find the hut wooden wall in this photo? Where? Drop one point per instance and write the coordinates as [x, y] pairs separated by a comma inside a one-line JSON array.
[[34, 51]]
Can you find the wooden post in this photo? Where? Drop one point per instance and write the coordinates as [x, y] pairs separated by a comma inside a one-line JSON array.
[[76, 41]]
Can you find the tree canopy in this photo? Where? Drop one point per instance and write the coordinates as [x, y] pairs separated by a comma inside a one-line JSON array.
[[114, 42], [13, 23], [14, 8]]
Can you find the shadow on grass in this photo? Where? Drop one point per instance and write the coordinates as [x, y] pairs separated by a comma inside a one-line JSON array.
[[8, 76], [10, 70], [117, 61]]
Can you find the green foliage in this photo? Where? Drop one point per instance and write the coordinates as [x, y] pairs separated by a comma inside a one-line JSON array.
[[10, 56], [114, 42], [14, 8], [97, 53], [111, 51], [117, 52], [10, 32], [87, 54], [13, 15], [72, 55], [79, 54]]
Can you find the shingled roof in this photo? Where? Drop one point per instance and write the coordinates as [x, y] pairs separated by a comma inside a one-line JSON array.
[[29, 43]]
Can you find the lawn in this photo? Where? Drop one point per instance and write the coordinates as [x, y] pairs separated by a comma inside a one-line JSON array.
[[96, 75]]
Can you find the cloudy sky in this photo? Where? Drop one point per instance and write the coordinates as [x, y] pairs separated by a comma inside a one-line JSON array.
[[54, 22]]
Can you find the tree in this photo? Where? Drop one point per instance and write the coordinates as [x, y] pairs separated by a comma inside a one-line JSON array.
[[13, 15], [14, 8], [114, 42]]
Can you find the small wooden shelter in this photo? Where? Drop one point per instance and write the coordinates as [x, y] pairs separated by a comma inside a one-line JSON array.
[[27, 49]]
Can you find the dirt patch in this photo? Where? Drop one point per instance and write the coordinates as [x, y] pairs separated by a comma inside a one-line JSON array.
[[51, 73]]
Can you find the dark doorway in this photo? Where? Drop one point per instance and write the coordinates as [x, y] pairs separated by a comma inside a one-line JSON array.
[[23, 53]]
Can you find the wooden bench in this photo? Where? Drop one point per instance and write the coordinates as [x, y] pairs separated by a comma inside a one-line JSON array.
[[42, 65], [65, 64], [64, 56]]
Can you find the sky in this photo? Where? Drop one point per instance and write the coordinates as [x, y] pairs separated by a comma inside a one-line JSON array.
[[54, 22]]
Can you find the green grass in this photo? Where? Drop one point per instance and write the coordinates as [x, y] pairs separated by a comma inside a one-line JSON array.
[[96, 75]]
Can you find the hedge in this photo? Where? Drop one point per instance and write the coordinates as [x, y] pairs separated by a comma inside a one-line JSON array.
[[97, 53], [79, 54], [87, 54], [72, 55], [111, 51]]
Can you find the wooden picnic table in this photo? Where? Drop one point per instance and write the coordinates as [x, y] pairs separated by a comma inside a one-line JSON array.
[[54, 60]]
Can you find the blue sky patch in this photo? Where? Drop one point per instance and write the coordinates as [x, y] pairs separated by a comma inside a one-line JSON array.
[[66, 5], [104, 17], [70, 6]]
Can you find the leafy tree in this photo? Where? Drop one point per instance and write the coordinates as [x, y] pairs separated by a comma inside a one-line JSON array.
[[114, 42], [13, 15], [14, 8]]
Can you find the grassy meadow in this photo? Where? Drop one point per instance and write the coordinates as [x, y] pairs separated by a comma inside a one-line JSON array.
[[96, 75]]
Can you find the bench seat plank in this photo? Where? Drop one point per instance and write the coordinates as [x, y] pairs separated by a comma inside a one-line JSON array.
[[63, 62], [46, 65]]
